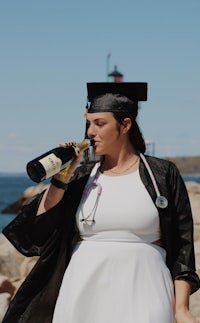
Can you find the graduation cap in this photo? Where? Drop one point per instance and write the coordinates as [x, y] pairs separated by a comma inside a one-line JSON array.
[[135, 91], [109, 96]]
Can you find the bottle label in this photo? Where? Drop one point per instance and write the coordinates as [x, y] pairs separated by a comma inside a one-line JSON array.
[[52, 165]]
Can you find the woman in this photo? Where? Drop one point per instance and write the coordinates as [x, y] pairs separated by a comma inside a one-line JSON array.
[[112, 248]]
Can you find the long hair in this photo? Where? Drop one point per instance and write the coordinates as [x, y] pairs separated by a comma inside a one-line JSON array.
[[135, 134], [121, 107]]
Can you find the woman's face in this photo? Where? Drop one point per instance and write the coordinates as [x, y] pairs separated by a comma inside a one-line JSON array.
[[106, 132]]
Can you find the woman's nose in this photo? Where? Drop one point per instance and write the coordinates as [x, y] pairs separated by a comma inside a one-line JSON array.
[[90, 131]]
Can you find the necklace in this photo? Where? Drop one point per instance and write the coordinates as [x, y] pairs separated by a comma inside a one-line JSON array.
[[125, 170]]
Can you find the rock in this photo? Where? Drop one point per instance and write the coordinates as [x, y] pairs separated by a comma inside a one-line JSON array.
[[14, 207], [4, 303], [6, 285], [14, 265], [26, 266], [10, 259], [193, 187], [195, 304], [28, 193], [33, 190], [194, 196]]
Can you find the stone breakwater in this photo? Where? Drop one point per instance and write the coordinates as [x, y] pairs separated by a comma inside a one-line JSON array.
[[194, 195], [14, 267]]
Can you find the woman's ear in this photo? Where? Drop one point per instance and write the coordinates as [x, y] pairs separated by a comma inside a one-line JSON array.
[[126, 125]]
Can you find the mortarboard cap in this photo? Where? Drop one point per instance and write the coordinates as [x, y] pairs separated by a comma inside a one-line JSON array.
[[116, 97], [135, 91]]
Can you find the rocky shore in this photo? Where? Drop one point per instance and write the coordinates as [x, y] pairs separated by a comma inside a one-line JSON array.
[[14, 267]]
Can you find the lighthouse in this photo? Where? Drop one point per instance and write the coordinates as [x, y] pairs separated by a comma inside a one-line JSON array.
[[115, 76]]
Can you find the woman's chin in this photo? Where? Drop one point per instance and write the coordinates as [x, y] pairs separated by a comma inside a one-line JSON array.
[[97, 152]]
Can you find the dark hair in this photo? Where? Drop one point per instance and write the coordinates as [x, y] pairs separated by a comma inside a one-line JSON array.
[[121, 107], [113, 102], [135, 134]]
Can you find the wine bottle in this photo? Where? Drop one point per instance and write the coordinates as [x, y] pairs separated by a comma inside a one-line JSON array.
[[53, 161]]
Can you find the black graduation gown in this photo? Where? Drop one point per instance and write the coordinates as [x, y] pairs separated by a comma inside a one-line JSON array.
[[53, 235]]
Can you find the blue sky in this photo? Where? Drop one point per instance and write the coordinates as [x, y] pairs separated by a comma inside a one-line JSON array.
[[50, 49]]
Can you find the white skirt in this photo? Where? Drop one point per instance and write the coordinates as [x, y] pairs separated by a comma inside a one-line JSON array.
[[115, 282]]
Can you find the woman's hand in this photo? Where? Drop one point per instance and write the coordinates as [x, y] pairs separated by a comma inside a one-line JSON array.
[[53, 194], [184, 316], [66, 174]]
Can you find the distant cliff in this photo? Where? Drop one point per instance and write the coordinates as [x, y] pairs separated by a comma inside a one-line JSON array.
[[187, 165]]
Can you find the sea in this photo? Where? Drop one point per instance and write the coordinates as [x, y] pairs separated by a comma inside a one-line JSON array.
[[12, 187]]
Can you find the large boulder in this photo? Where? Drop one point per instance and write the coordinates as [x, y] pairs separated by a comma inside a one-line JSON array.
[[28, 193], [13, 266], [6, 285], [194, 195], [4, 303]]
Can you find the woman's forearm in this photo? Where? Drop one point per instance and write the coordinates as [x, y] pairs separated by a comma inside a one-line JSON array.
[[182, 295], [54, 194], [51, 197]]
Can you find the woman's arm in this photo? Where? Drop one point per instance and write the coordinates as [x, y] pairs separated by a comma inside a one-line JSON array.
[[182, 294], [53, 194], [183, 267], [186, 280]]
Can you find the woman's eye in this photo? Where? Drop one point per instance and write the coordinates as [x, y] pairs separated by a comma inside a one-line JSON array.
[[100, 124]]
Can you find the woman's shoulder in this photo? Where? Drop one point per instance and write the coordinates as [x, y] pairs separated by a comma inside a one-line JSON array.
[[165, 172], [160, 161], [162, 165]]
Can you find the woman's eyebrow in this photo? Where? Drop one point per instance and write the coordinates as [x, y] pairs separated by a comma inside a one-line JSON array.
[[97, 119]]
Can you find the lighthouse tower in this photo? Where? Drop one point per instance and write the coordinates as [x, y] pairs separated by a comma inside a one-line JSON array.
[[115, 76]]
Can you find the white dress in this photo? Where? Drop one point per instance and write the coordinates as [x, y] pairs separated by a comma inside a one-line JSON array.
[[116, 274]]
